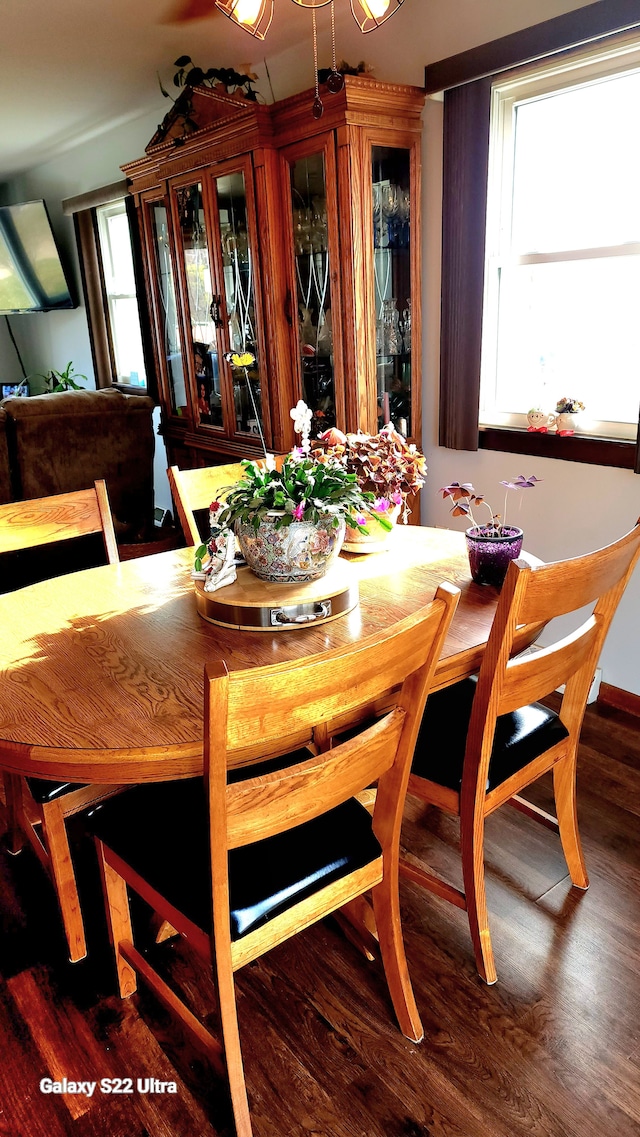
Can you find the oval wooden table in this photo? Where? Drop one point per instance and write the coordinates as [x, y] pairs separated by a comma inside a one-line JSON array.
[[101, 672]]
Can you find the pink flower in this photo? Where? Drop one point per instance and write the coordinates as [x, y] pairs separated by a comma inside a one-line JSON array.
[[361, 519], [298, 512], [396, 498], [381, 504]]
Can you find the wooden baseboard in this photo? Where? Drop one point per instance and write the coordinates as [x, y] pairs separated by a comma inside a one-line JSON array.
[[620, 699]]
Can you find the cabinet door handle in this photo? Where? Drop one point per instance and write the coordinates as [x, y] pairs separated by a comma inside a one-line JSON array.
[[214, 310]]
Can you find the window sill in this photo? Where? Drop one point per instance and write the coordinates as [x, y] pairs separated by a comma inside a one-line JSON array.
[[571, 448], [129, 389]]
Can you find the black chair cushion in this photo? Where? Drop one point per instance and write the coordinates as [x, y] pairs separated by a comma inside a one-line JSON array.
[[520, 737], [161, 831], [44, 792]]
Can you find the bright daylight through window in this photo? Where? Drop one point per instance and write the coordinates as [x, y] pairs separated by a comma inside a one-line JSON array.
[[120, 288], [562, 276]]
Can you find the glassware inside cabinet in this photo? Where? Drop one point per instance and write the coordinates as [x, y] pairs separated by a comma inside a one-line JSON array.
[[171, 346], [239, 287], [204, 308], [391, 180], [313, 289]]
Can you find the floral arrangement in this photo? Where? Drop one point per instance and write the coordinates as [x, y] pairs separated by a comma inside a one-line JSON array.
[[386, 466], [303, 489], [465, 497], [567, 406]]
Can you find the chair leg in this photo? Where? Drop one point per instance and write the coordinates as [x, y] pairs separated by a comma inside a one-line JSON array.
[[472, 848], [386, 907], [118, 921], [231, 1041], [55, 838], [564, 788], [14, 838]]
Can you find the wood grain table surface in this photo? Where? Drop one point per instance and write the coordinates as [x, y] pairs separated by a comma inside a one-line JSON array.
[[101, 672]]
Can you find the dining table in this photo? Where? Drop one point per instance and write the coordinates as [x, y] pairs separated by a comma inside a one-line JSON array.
[[101, 671]]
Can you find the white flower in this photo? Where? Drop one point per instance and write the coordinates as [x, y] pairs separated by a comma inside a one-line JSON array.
[[302, 415]]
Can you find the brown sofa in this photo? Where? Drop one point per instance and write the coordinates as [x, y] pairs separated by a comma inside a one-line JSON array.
[[53, 444], [5, 481], [56, 443]]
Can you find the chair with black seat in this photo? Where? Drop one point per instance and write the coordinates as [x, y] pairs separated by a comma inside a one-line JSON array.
[[37, 808], [483, 741], [278, 850]]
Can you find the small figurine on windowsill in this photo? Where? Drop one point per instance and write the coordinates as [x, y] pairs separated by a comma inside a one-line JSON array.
[[564, 420], [539, 421]]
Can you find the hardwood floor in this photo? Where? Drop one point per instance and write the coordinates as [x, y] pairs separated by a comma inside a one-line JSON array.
[[553, 1050]]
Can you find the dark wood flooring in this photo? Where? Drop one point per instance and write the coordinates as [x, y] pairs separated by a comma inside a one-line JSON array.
[[553, 1050]]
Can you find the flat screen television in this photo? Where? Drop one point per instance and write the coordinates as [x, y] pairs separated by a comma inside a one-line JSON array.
[[32, 278]]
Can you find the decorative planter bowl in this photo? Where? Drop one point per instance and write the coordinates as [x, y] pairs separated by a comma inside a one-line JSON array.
[[376, 539], [301, 551], [489, 556]]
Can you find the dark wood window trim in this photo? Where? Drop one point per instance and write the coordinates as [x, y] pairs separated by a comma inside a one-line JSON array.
[[86, 228], [464, 207], [467, 80], [573, 29], [572, 448]]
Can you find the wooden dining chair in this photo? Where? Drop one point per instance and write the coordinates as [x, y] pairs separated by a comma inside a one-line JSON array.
[[483, 741], [194, 490], [280, 849], [37, 809]]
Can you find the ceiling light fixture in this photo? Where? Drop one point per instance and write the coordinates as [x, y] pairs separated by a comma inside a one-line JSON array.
[[255, 15]]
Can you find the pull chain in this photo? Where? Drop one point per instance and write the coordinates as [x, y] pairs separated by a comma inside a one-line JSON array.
[[335, 81], [318, 106]]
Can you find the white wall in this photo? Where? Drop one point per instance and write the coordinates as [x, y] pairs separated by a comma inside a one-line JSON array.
[[576, 507]]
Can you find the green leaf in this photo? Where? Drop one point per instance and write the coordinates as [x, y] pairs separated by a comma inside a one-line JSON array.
[[182, 61], [201, 551]]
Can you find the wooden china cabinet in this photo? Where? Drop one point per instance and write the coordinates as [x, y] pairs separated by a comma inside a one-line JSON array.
[[296, 240]]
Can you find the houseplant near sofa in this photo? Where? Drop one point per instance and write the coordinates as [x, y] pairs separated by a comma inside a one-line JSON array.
[[493, 545]]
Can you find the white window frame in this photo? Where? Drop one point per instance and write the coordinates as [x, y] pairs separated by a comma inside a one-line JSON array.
[[507, 94], [103, 212]]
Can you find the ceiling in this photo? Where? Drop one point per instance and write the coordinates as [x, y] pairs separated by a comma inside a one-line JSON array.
[[72, 68]]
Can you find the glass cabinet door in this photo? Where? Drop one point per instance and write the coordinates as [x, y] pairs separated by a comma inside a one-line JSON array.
[[239, 302], [202, 304], [168, 324], [313, 217], [392, 285]]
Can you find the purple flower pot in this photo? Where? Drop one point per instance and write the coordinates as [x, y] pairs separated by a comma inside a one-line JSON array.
[[489, 556]]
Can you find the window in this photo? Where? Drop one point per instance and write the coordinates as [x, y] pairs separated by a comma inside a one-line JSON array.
[[113, 286], [562, 256], [120, 293]]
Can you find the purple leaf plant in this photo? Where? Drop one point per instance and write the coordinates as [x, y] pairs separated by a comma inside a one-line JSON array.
[[464, 497]]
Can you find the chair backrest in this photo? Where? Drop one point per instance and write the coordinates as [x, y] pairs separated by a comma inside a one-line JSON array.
[[46, 520], [270, 703], [531, 596], [196, 489]]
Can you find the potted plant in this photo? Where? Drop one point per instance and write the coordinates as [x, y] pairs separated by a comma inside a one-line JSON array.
[[290, 521], [56, 381], [493, 545], [565, 410], [387, 467]]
